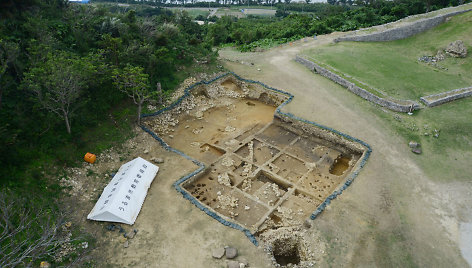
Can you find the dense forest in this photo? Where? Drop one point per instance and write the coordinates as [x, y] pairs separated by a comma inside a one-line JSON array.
[[67, 70]]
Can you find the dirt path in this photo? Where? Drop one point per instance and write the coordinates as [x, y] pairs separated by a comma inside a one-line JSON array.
[[393, 215]]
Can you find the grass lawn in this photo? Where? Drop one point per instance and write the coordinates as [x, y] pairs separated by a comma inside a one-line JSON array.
[[393, 67], [446, 157], [193, 12]]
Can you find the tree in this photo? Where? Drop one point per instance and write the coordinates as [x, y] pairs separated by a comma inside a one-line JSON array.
[[134, 83], [28, 232], [8, 54], [58, 83]]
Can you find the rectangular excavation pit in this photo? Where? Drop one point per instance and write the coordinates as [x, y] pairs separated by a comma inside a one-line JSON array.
[[276, 135], [257, 152], [206, 188], [301, 204], [320, 185], [245, 169], [289, 167], [289, 157], [250, 131], [327, 159], [265, 188], [237, 206], [210, 153], [341, 165], [306, 149], [292, 212]]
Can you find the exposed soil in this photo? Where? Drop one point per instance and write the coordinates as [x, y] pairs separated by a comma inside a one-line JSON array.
[[260, 174], [393, 215], [393, 211]]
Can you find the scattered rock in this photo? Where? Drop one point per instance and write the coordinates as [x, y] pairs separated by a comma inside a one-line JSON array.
[[229, 129], [84, 245], [146, 151], [416, 150], [123, 239], [157, 160], [247, 207], [227, 162], [440, 55], [126, 244], [111, 227], [242, 265], [224, 179], [244, 261], [218, 253], [131, 234], [233, 264], [231, 253], [307, 224], [456, 49], [68, 224], [250, 103], [413, 144]]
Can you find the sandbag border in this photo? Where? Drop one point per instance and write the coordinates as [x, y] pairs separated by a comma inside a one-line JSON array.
[[278, 111]]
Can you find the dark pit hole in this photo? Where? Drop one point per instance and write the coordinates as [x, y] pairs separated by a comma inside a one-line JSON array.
[[286, 251], [341, 164], [276, 219]]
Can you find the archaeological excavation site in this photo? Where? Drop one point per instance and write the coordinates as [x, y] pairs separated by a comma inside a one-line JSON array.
[[262, 171]]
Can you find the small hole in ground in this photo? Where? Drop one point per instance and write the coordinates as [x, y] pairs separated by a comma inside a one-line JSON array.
[[286, 251]]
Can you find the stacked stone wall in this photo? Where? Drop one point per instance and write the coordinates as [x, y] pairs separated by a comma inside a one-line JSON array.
[[405, 105], [401, 32], [438, 99]]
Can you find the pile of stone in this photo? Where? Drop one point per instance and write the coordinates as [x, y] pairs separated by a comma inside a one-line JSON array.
[[125, 236], [415, 147], [230, 253], [457, 49], [428, 59]]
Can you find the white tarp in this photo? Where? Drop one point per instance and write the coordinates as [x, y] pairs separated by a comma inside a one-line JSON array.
[[123, 197]]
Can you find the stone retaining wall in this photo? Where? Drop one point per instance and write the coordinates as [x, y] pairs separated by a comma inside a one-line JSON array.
[[438, 99], [402, 32], [405, 107]]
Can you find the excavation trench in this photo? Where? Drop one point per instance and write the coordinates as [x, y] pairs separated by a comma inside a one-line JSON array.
[[263, 171]]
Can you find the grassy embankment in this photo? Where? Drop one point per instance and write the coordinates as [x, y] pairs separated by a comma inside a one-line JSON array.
[[393, 67]]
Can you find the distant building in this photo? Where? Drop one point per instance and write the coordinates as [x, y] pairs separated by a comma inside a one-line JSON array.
[[79, 1]]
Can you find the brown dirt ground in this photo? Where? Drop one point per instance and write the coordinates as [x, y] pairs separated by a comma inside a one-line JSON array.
[[392, 215]]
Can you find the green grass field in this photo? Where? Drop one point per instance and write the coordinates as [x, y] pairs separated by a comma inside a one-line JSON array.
[[192, 12], [393, 67]]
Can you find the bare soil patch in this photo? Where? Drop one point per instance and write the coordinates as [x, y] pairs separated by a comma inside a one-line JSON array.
[[262, 172]]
